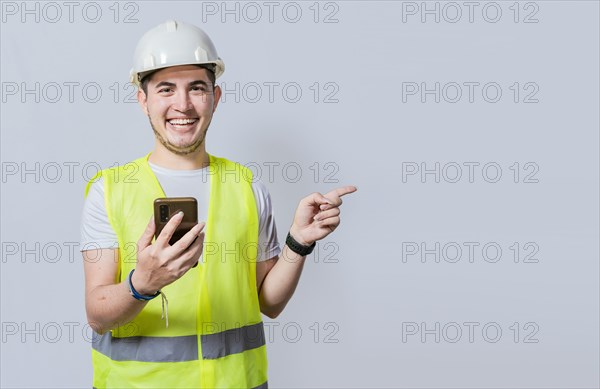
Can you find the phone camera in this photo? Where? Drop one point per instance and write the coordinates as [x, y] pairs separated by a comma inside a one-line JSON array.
[[164, 212]]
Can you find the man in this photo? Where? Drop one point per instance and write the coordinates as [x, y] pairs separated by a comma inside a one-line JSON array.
[[212, 335]]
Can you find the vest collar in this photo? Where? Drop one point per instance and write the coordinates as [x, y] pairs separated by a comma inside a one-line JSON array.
[[146, 166]]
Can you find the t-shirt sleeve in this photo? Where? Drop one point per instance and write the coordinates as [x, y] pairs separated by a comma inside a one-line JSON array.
[[268, 244], [96, 230]]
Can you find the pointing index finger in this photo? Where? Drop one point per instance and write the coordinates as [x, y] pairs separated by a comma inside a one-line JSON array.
[[335, 196], [344, 190]]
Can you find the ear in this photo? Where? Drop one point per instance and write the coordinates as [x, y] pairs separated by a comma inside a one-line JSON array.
[[217, 95], [143, 100]]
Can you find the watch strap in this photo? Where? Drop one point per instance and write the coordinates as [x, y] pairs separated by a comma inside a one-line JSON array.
[[298, 248]]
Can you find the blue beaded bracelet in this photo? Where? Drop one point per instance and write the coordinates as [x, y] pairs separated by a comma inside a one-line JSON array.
[[135, 294]]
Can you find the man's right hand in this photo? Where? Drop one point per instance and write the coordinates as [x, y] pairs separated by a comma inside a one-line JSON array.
[[160, 264]]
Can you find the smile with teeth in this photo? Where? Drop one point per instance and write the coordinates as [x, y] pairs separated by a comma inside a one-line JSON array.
[[181, 122]]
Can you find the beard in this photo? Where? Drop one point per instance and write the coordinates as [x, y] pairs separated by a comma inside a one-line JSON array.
[[178, 150]]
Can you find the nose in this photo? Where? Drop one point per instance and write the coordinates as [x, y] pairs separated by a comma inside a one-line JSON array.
[[182, 102]]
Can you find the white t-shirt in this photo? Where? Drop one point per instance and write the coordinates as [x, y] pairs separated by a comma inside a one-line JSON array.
[[97, 232]]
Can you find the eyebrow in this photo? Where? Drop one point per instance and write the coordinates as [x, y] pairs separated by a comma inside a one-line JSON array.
[[170, 84]]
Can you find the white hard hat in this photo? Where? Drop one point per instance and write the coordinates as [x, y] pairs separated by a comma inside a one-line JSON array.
[[173, 43]]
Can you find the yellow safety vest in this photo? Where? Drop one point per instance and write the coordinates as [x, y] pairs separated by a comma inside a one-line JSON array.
[[215, 337]]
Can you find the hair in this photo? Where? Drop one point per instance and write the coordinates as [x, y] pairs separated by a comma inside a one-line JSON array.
[[210, 69]]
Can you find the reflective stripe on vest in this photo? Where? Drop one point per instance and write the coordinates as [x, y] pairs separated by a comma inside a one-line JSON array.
[[263, 386], [215, 336], [180, 348]]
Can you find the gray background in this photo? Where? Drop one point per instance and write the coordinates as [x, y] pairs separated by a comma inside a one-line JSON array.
[[362, 288]]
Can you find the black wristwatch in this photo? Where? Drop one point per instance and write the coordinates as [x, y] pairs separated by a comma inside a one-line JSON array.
[[298, 248]]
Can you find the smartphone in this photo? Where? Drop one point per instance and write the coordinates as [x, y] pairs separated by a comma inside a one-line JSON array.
[[166, 207]]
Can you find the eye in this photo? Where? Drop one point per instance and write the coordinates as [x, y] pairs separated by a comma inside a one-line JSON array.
[[165, 90], [199, 88]]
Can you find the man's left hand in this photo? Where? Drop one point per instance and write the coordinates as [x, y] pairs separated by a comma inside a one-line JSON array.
[[318, 215]]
